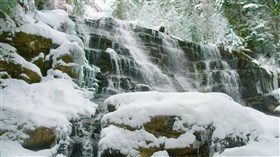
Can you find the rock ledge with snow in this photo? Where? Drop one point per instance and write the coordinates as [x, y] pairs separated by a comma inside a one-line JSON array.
[[184, 124]]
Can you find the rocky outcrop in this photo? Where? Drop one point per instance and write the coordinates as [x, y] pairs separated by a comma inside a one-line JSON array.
[[182, 124], [35, 50], [257, 83]]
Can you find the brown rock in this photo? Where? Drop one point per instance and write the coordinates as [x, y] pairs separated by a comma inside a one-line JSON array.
[[40, 138]]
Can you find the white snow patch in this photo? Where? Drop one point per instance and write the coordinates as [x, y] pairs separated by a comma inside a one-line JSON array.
[[160, 154], [251, 5], [40, 56], [277, 108], [57, 19], [58, 74]]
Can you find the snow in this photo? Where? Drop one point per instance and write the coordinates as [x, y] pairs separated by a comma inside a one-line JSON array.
[[276, 94], [267, 147], [14, 149], [56, 19], [11, 56], [193, 109], [160, 154], [68, 48], [46, 31], [182, 141], [251, 5], [6, 24], [46, 23], [52, 103], [277, 108], [40, 56], [58, 74]]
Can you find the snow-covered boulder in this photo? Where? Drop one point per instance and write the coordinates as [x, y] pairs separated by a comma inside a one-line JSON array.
[[38, 115], [183, 124]]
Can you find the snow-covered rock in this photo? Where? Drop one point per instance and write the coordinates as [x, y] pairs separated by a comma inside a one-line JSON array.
[[183, 124], [16, 66], [47, 107]]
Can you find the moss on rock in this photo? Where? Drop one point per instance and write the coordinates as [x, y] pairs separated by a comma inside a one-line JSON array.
[[16, 71], [27, 45]]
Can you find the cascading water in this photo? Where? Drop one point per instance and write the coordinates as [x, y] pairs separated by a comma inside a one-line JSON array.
[[151, 74], [177, 64], [220, 77]]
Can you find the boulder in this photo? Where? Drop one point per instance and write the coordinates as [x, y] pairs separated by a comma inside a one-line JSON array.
[[40, 138]]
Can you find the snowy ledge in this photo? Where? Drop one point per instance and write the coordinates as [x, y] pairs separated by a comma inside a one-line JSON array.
[[215, 116]]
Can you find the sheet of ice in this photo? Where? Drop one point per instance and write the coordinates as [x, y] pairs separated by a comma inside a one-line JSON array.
[[194, 109]]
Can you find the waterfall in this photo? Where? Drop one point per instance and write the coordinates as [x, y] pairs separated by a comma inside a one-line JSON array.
[[129, 55], [220, 77], [151, 73], [177, 64]]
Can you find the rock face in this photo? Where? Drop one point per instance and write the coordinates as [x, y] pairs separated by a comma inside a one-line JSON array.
[[257, 84], [40, 138]]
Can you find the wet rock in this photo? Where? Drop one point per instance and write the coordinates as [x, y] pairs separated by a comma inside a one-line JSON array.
[[142, 87], [257, 84]]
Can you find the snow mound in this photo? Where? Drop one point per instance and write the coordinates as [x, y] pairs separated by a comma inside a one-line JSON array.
[[125, 128], [52, 103], [53, 24]]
